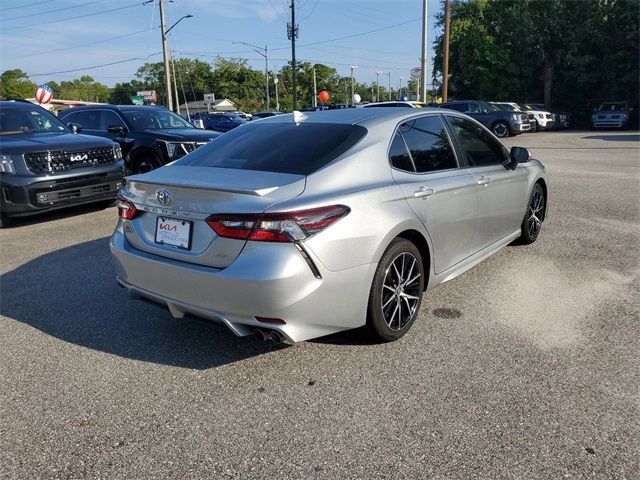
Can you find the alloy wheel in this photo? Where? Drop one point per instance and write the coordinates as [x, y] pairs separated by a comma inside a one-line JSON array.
[[501, 129], [401, 291], [534, 218]]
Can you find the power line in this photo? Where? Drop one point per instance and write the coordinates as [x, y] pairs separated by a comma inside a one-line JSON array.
[[25, 6], [52, 11], [320, 42], [95, 66], [74, 18]]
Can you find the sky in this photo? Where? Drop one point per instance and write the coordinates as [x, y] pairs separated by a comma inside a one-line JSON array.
[[62, 39]]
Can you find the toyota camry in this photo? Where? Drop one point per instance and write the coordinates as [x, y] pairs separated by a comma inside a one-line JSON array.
[[302, 225]]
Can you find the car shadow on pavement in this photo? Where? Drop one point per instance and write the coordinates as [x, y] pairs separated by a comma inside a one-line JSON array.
[[52, 215], [71, 294], [625, 137]]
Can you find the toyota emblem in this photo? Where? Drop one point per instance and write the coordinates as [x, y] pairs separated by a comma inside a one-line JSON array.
[[163, 196]]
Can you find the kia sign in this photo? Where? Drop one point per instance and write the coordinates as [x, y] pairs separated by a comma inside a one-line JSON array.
[[44, 94]]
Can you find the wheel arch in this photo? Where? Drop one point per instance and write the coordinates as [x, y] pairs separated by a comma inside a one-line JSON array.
[[418, 239], [543, 184]]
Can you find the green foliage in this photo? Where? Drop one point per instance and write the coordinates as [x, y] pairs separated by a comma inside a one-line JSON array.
[[84, 88], [16, 84], [571, 54]]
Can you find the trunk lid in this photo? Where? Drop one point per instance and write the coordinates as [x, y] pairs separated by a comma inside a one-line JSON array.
[[194, 194]]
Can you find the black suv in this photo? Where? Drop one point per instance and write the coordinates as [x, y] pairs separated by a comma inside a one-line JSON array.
[[149, 136], [45, 166], [502, 123]]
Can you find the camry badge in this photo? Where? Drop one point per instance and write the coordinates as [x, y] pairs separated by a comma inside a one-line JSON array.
[[163, 196]]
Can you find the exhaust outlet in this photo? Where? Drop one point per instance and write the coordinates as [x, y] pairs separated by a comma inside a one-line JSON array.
[[261, 335], [275, 337]]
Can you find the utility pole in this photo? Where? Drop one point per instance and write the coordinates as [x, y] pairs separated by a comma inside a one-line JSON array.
[[165, 55], [378, 86], [315, 90], [292, 34], [445, 51], [422, 87], [353, 67], [400, 88], [175, 84]]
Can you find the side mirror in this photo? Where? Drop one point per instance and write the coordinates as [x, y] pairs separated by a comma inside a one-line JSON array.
[[518, 155], [117, 129], [75, 127]]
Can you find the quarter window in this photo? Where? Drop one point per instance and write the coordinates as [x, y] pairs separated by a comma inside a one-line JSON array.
[[399, 155], [428, 144], [479, 146]]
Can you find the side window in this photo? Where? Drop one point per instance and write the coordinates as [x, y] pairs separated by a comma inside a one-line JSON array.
[[110, 119], [399, 155], [480, 147], [71, 118], [89, 119], [460, 107], [474, 108], [428, 144]]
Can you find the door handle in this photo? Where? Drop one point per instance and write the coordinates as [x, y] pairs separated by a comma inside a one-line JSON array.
[[423, 192], [484, 180]]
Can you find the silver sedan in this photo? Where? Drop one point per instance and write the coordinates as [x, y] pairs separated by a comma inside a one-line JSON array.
[[298, 226]]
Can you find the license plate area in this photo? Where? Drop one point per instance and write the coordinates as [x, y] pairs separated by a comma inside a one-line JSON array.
[[174, 233]]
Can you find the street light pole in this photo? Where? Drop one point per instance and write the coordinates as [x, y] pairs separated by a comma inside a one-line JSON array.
[[275, 82], [423, 64], [378, 86], [258, 49], [166, 53], [445, 51], [389, 92], [353, 67]]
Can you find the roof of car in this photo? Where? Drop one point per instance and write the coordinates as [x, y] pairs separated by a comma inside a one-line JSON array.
[[17, 103], [352, 115], [109, 106]]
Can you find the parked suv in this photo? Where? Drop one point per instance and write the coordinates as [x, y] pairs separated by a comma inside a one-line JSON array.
[[611, 115], [223, 122], [502, 123], [149, 136], [45, 166]]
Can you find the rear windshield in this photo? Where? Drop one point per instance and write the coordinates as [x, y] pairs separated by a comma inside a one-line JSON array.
[[277, 147]]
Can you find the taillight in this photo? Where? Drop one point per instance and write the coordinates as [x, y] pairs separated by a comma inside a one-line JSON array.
[[126, 209], [277, 227]]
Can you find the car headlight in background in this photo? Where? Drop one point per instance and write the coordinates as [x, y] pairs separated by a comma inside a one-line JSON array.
[[117, 152], [177, 150], [6, 165]]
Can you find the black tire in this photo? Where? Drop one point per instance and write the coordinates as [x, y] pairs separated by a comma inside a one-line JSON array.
[[389, 296], [144, 163], [501, 129], [5, 220], [534, 127], [534, 216]]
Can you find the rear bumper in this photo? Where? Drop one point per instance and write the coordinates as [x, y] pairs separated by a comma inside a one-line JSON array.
[[28, 195], [609, 123], [267, 280]]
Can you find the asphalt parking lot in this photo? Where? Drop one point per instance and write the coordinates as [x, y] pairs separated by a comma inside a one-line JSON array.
[[527, 366]]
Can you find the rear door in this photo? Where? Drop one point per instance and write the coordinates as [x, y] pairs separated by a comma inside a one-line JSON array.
[[443, 195], [501, 191]]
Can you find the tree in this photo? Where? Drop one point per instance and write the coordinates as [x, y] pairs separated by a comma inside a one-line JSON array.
[[16, 84], [84, 88]]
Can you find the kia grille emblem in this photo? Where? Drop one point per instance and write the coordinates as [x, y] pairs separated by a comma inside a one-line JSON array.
[[163, 196], [79, 157]]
